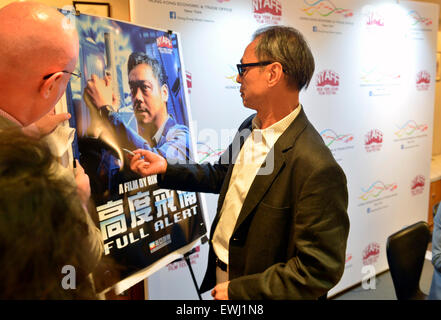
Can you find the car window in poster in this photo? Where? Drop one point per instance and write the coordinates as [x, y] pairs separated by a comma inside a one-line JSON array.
[[131, 95]]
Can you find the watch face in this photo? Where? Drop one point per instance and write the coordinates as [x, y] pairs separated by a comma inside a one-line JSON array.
[[109, 108]]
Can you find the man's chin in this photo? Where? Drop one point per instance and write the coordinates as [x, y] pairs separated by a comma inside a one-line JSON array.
[[143, 119], [246, 105]]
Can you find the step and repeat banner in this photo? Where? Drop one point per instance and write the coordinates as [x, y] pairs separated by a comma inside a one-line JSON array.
[[371, 98]]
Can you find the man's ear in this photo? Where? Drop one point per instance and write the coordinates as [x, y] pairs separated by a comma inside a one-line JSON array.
[[164, 92], [49, 85], [275, 72]]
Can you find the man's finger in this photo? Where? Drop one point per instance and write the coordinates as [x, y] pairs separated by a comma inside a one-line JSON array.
[[137, 165], [134, 159], [148, 155], [58, 118]]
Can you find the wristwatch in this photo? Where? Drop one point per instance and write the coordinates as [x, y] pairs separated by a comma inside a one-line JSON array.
[[107, 107]]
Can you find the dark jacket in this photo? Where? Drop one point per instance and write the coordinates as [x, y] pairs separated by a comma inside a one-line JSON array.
[[290, 238]]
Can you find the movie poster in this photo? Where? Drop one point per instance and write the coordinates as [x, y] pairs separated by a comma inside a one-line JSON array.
[[131, 94]]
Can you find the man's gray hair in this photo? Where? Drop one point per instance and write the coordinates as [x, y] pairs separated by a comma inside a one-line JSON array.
[[287, 46], [137, 58]]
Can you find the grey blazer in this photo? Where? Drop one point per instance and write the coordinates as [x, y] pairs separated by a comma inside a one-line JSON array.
[[290, 238]]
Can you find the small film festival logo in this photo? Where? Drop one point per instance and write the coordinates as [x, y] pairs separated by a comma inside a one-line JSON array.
[[410, 128], [417, 186], [160, 243], [267, 11], [373, 140], [189, 81], [348, 260], [330, 137], [373, 18], [417, 18], [371, 253], [325, 8], [164, 44], [327, 82], [423, 81], [376, 189]]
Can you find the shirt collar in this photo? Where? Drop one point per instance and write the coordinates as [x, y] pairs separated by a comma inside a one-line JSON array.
[[160, 131], [273, 132]]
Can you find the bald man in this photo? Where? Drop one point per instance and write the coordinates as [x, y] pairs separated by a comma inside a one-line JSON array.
[[39, 52]]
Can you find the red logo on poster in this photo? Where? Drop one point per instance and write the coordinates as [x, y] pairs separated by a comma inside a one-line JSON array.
[[164, 42], [267, 11], [418, 185], [327, 82], [164, 45], [373, 140], [371, 253], [423, 80]]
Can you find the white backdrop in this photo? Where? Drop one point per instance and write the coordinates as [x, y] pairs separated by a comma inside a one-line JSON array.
[[371, 98]]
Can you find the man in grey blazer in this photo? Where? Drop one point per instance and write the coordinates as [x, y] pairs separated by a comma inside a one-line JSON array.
[[281, 226]]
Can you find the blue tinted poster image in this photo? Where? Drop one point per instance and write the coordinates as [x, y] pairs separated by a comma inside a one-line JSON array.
[[131, 95]]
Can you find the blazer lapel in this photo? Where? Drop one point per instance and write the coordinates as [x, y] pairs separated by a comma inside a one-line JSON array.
[[276, 155]]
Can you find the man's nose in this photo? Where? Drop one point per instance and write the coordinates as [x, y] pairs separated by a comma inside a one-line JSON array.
[[137, 95], [238, 78]]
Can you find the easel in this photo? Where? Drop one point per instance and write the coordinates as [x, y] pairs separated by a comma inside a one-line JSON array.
[[186, 257]]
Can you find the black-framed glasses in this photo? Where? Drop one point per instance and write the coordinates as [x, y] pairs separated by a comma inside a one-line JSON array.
[[78, 74], [242, 66]]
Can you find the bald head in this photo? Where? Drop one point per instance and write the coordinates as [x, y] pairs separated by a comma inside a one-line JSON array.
[[36, 40]]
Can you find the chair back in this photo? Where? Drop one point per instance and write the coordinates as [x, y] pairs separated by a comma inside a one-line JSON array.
[[406, 250]]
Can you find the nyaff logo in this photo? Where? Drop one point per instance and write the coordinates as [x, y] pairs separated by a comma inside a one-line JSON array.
[[371, 253], [373, 140], [164, 45], [267, 11], [373, 18], [417, 186], [327, 82], [189, 81], [423, 81]]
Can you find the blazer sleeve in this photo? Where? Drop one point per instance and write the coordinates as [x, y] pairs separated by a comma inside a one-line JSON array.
[[204, 177], [319, 231], [194, 177]]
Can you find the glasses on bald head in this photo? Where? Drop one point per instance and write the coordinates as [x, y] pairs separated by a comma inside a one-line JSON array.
[[77, 74]]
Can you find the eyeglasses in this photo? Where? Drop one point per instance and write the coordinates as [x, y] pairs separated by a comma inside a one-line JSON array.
[[78, 74], [241, 67]]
